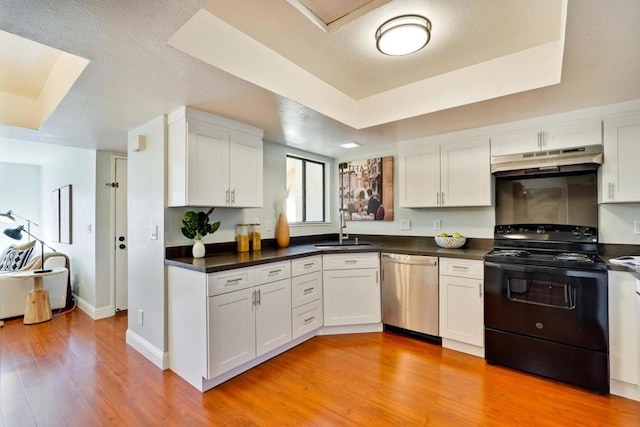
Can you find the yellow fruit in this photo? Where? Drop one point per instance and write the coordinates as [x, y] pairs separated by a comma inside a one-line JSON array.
[[444, 235], [457, 235]]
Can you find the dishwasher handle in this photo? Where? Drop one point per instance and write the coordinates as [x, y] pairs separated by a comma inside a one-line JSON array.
[[410, 259]]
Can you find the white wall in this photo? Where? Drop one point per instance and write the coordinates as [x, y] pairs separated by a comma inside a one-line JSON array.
[[104, 243], [146, 201], [75, 167], [20, 193]]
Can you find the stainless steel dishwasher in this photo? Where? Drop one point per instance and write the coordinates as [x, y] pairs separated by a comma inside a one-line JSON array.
[[410, 292]]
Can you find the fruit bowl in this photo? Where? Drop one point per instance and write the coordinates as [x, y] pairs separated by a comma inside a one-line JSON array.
[[450, 242]]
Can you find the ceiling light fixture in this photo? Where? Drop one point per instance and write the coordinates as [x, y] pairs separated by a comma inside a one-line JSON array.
[[350, 145], [403, 35]]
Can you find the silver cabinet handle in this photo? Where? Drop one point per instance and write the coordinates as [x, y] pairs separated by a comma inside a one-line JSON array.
[[539, 141], [377, 280], [253, 298], [308, 265], [307, 291], [309, 320], [227, 199], [259, 299], [233, 281], [438, 198], [480, 289], [275, 272], [351, 261], [611, 191], [233, 196], [460, 267], [442, 199]]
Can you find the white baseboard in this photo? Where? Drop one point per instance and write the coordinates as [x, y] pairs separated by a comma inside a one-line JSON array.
[[351, 329], [93, 312], [462, 347], [623, 389], [144, 347]]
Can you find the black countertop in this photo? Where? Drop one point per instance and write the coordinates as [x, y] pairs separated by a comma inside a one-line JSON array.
[[220, 261]]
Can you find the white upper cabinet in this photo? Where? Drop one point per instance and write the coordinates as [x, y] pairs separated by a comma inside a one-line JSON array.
[[567, 135], [620, 178], [213, 161], [445, 174]]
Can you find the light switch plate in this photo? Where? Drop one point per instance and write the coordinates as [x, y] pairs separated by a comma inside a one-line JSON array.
[[153, 235], [405, 224], [436, 224], [636, 227], [269, 225]]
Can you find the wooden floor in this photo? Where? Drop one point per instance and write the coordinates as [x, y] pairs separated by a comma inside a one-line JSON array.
[[76, 371]]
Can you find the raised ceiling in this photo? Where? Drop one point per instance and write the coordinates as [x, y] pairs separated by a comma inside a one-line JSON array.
[[134, 75]]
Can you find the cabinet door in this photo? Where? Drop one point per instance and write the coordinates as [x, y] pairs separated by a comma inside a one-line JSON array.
[[462, 310], [466, 178], [623, 328], [273, 315], [245, 180], [207, 165], [524, 141], [574, 134], [231, 331], [620, 171], [351, 297], [419, 175]]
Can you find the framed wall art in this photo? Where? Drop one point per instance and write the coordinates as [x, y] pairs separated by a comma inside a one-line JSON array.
[[366, 189]]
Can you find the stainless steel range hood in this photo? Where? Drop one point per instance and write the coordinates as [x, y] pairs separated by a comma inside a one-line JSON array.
[[548, 162]]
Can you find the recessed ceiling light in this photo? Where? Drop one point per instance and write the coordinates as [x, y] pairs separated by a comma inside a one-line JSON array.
[[403, 35], [350, 145]]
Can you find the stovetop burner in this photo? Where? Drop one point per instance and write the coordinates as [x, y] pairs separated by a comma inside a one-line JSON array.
[[510, 253], [573, 257]]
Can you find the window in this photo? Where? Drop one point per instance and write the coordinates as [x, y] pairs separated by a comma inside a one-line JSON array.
[[305, 183]]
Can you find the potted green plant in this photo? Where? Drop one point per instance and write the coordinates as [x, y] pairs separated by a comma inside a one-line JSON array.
[[195, 225]]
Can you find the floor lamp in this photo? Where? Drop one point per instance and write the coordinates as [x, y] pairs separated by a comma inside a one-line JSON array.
[[16, 234], [9, 218]]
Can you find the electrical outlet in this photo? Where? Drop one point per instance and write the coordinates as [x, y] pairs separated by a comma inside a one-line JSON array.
[[140, 317], [436, 224], [269, 225], [636, 227], [405, 224], [153, 235]]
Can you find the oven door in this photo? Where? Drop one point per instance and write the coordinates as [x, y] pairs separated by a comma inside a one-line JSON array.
[[565, 306]]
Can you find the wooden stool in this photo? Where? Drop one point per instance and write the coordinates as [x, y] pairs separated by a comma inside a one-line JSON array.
[[38, 308]]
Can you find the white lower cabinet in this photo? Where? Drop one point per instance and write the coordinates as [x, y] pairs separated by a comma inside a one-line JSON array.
[[351, 289], [624, 340], [462, 305], [221, 324], [248, 323]]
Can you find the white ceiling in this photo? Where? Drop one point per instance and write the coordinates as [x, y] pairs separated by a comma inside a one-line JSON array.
[[134, 75]]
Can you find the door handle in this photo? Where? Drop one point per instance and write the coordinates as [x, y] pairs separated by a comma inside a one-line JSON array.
[[122, 246]]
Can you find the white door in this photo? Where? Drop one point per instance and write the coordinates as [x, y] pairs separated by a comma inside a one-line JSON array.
[[121, 242]]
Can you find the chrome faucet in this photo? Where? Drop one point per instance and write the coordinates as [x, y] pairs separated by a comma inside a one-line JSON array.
[[342, 232]]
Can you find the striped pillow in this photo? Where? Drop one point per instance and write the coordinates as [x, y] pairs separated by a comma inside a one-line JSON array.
[[15, 259]]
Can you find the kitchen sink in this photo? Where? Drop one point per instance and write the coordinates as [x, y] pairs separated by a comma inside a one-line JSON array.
[[347, 244]]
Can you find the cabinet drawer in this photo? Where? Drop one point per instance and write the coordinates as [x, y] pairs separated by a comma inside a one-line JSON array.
[[306, 318], [350, 261], [462, 268], [228, 281], [272, 272], [306, 265], [306, 288]]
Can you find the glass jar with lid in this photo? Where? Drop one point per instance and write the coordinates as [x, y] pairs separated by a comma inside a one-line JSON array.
[[242, 237], [255, 237]]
